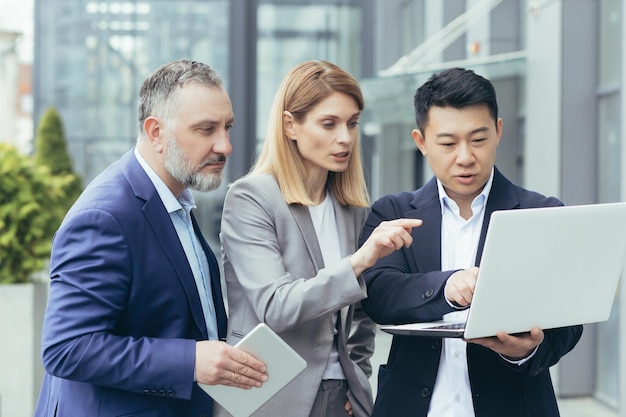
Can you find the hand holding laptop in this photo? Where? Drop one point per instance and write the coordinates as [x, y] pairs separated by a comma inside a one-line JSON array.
[[512, 346]]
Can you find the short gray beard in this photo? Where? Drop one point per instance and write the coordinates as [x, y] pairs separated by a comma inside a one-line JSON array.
[[179, 167]]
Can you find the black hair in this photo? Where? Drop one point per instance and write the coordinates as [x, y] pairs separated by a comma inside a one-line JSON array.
[[454, 87]]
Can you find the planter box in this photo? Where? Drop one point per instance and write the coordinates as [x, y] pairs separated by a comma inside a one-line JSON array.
[[22, 309]]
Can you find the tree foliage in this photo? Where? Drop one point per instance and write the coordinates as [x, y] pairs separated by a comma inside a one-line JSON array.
[[31, 209], [51, 151]]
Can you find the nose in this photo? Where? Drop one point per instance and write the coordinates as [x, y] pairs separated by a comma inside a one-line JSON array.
[[345, 136], [223, 145], [464, 156]]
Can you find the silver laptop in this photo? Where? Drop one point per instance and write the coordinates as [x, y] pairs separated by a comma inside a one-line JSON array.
[[547, 267], [282, 362]]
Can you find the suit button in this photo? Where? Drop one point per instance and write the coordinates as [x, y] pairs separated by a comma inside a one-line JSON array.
[[162, 393], [154, 392], [146, 391], [435, 345], [171, 393], [428, 293], [425, 392]]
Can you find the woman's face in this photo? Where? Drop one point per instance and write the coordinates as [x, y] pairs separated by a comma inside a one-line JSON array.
[[327, 134]]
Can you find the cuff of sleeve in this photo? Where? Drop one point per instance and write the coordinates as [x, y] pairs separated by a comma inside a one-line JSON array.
[[520, 362]]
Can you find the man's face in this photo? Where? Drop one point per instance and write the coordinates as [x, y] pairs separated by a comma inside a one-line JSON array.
[[198, 145], [460, 145]]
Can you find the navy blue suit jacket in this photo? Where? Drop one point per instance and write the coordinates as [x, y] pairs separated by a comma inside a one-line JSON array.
[[408, 286], [124, 312]]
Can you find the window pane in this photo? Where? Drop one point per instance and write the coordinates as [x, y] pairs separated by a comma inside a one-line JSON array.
[[610, 41], [609, 149], [289, 34], [95, 55]]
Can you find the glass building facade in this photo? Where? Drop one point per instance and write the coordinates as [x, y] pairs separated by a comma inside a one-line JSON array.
[[91, 57], [557, 67]]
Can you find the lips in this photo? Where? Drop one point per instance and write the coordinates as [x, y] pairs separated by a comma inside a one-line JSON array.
[[465, 178], [342, 154]]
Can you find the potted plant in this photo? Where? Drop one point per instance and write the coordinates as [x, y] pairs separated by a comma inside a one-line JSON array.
[[34, 196]]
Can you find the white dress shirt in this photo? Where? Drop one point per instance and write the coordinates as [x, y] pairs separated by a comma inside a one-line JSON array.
[[325, 223], [452, 396]]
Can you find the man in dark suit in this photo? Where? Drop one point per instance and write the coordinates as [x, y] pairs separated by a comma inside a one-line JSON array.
[[135, 313], [507, 375]]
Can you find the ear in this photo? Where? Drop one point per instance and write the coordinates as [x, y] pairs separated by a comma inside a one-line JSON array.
[[289, 123], [155, 133], [499, 130], [419, 140]]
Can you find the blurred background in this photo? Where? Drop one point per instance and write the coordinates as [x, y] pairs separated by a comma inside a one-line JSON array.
[[557, 66]]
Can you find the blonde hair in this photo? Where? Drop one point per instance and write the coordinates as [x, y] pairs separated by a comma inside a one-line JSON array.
[[303, 87]]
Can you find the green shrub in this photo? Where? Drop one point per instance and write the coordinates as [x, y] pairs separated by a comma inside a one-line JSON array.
[[51, 151], [31, 209]]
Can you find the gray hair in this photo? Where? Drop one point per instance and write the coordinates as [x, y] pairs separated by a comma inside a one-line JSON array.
[[157, 96]]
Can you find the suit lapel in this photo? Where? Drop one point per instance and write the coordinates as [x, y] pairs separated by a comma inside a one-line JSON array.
[[501, 197], [347, 240], [216, 285], [309, 236], [428, 208], [162, 226], [305, 224]]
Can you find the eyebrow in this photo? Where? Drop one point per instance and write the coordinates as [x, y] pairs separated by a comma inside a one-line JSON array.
[[334, 116], [211, 122], [473, 132]]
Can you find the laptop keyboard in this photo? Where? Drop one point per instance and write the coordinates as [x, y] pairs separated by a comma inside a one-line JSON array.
[[451, 326]]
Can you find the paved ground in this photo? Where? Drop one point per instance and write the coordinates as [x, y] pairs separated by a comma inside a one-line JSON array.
[[570, 407], [584, 407]]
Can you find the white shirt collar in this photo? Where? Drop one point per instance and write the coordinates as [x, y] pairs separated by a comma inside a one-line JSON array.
[[171, 203], [480, 199]]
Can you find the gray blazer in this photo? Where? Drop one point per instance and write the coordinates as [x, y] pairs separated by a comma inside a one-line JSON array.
[[275, 274]]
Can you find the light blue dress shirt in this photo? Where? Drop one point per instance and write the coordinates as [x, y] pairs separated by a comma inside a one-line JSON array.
[[180, 213]]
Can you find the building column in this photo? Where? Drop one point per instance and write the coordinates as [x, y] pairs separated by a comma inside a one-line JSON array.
[[242, 84], [560, 151]]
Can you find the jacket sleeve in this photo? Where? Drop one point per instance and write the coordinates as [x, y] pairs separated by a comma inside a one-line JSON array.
[[90, 285], [398, 292], [360, 342], [556, 343]]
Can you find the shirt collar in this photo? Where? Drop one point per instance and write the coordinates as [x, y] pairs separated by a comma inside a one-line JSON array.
[[172, 204], [480, 199]]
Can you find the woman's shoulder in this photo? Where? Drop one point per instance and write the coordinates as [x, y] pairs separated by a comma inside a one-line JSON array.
[[262, 186], [256, 180]]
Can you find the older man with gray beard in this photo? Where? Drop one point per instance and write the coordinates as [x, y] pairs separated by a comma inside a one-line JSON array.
[[135, 315]]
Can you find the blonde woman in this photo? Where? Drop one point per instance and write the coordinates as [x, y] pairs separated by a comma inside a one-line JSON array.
[[289, 237]]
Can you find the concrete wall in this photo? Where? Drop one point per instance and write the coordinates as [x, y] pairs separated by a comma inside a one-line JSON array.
[[21, 317]]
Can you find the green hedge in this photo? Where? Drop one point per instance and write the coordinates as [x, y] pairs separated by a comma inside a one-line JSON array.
[[32, 205]]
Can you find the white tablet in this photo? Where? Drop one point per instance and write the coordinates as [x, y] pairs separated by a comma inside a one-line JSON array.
[[282, 362]]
